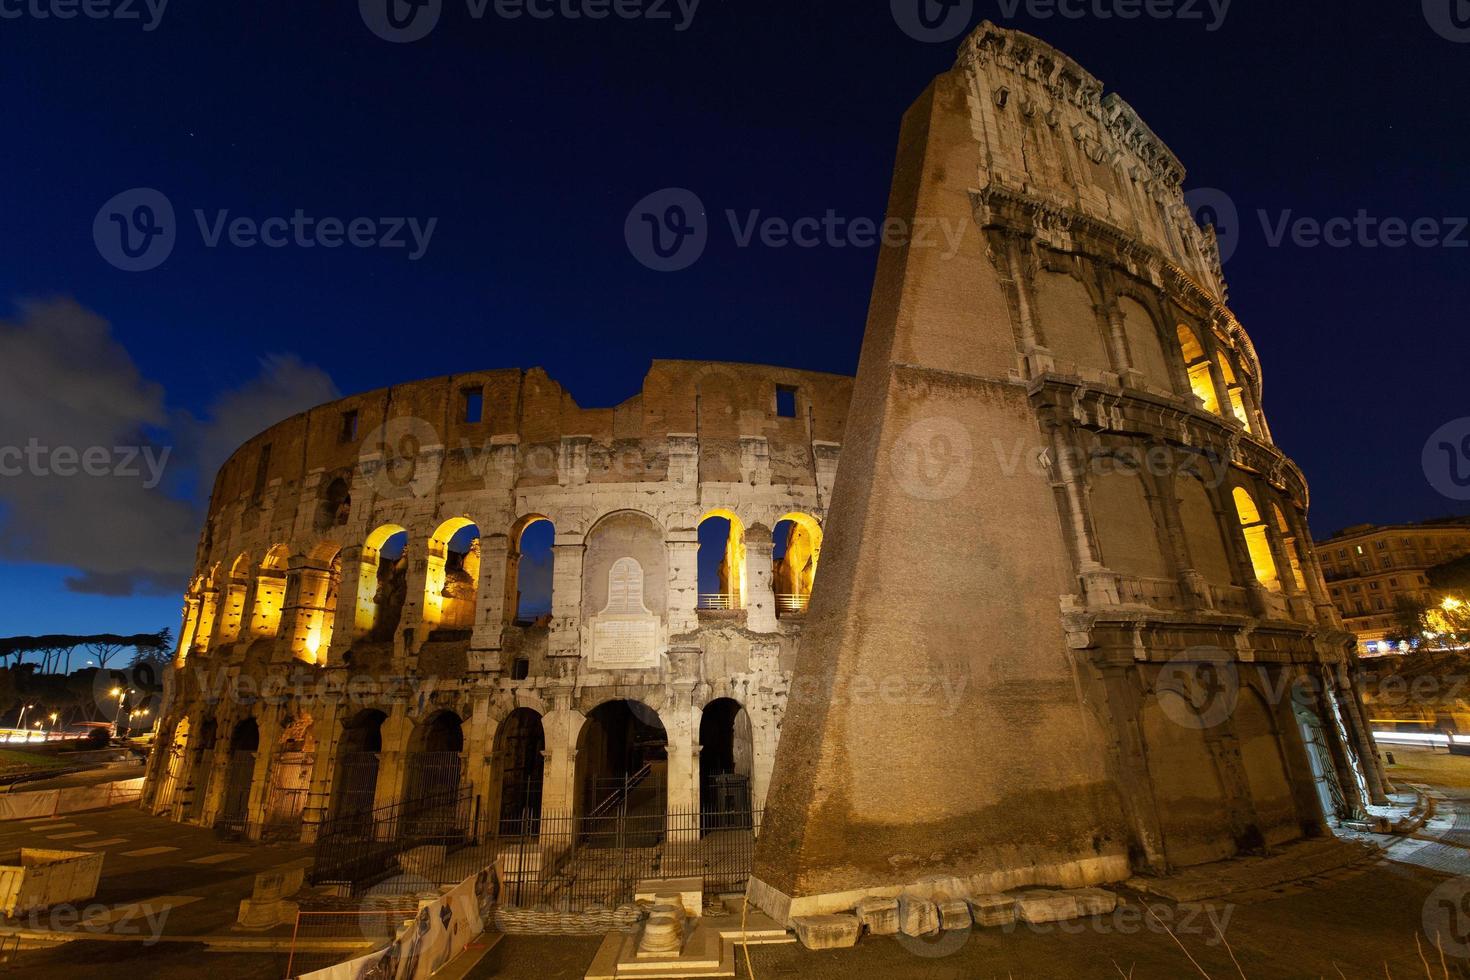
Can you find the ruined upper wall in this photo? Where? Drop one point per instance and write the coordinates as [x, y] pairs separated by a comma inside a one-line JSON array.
[[1048, 131], [720, 403]]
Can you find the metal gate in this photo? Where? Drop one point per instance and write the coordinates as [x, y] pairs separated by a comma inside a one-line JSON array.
[[234, 812]]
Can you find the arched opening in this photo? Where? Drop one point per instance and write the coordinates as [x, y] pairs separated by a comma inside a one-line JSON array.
[[431, 790], [721, 561], [530, 564], [1127, 534], [1232, 386], [1257, 540], [235, 809], [520, 768], [1291, 546], [313, 618], [382, 583], [1201, 524], [175, 768], [270, 592], [232, 601], [201, 768], [356, 784], [290, 780], [726, 760], [622, 761], [1144, 344], [1186, 781], [1197, 364], [1265, 770], [453, 578], [1319, 754], [335, 506], [796, 548]]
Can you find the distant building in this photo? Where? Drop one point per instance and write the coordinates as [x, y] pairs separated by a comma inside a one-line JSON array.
[[1369, 567]]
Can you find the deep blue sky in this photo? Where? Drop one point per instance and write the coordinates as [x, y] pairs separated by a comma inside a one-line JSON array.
[[530, 141]]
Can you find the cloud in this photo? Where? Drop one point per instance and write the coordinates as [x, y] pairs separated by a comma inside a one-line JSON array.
[[92, 460]]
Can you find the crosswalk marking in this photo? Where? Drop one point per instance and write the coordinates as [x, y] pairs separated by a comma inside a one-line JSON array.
[[148, 852], [72, 835], [214, 858]]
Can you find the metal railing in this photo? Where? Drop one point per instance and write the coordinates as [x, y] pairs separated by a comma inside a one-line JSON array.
[[719, 601], [792, 604], [572, 860]]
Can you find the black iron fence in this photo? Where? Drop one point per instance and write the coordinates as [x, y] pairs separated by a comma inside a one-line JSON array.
[[416, 845], [573, 861]]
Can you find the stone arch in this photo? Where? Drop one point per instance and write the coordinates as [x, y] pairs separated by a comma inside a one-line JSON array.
[[359, 750], [270, 592], [289, 779], [1234, 391], [200, 767], [434, 770], [1257, 539], [616, 537], [1197, 366], [518, 769], [1265, 769], [530, 567], [1208, 553], [334, 506], [1128, 537], [382, 584], [1069, 323], [452, 579], [726, 765], [232, 600], [1291, 545], [796, 551], [622, 760], [721, 560], [234, 811], [1188, 791], [1141, 328]]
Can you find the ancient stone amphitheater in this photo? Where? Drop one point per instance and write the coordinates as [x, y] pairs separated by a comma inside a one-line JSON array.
[[1067, 625]]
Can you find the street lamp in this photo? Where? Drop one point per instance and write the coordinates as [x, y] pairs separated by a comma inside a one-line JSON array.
[[21, 721], [122, 697]]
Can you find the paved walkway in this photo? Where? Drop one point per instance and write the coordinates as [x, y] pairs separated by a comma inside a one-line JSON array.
[[158, 877]]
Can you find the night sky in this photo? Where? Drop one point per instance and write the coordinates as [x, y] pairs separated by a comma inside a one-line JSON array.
[[529, 141]]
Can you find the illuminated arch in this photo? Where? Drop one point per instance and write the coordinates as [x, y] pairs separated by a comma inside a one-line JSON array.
[[722, 580], [1236, 392], [794, 569], [1257, 540], [380, 583], [453, 575], [1292, 546], [1197, 364], [270, 592]]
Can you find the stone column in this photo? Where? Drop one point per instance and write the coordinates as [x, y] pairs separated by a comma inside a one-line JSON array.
[[412, 629], [479, 756], [560, 727], [760, 597], [1217, 378], [219, 769], [485, 644], [328, 731], [1192, 584], [395, 734], [681, 725], [566, 596], [1036, 356], [344, 617], [1128, 373], [682, 549], [269, 726], [1360, 733]]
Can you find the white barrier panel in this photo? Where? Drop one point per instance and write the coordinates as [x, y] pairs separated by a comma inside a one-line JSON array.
[[428, 942], [73, 799]]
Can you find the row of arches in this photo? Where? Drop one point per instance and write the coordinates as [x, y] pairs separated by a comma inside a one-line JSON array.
[[621, 754], [250, 602]]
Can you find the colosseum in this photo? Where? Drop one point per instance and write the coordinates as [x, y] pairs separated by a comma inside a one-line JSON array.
[[1068, 625]]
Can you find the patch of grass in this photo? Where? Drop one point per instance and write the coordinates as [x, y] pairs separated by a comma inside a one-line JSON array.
[[14, 760]]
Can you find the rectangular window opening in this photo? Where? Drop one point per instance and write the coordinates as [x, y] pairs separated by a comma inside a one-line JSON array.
[[785, 402], [472, 400], [349, 427]]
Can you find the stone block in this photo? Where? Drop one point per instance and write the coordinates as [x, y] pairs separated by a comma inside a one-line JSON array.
[[954, 913], [1043, 905], [917, 916], [1094, 901], [993, 910], [879, 916], [827, 931]]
